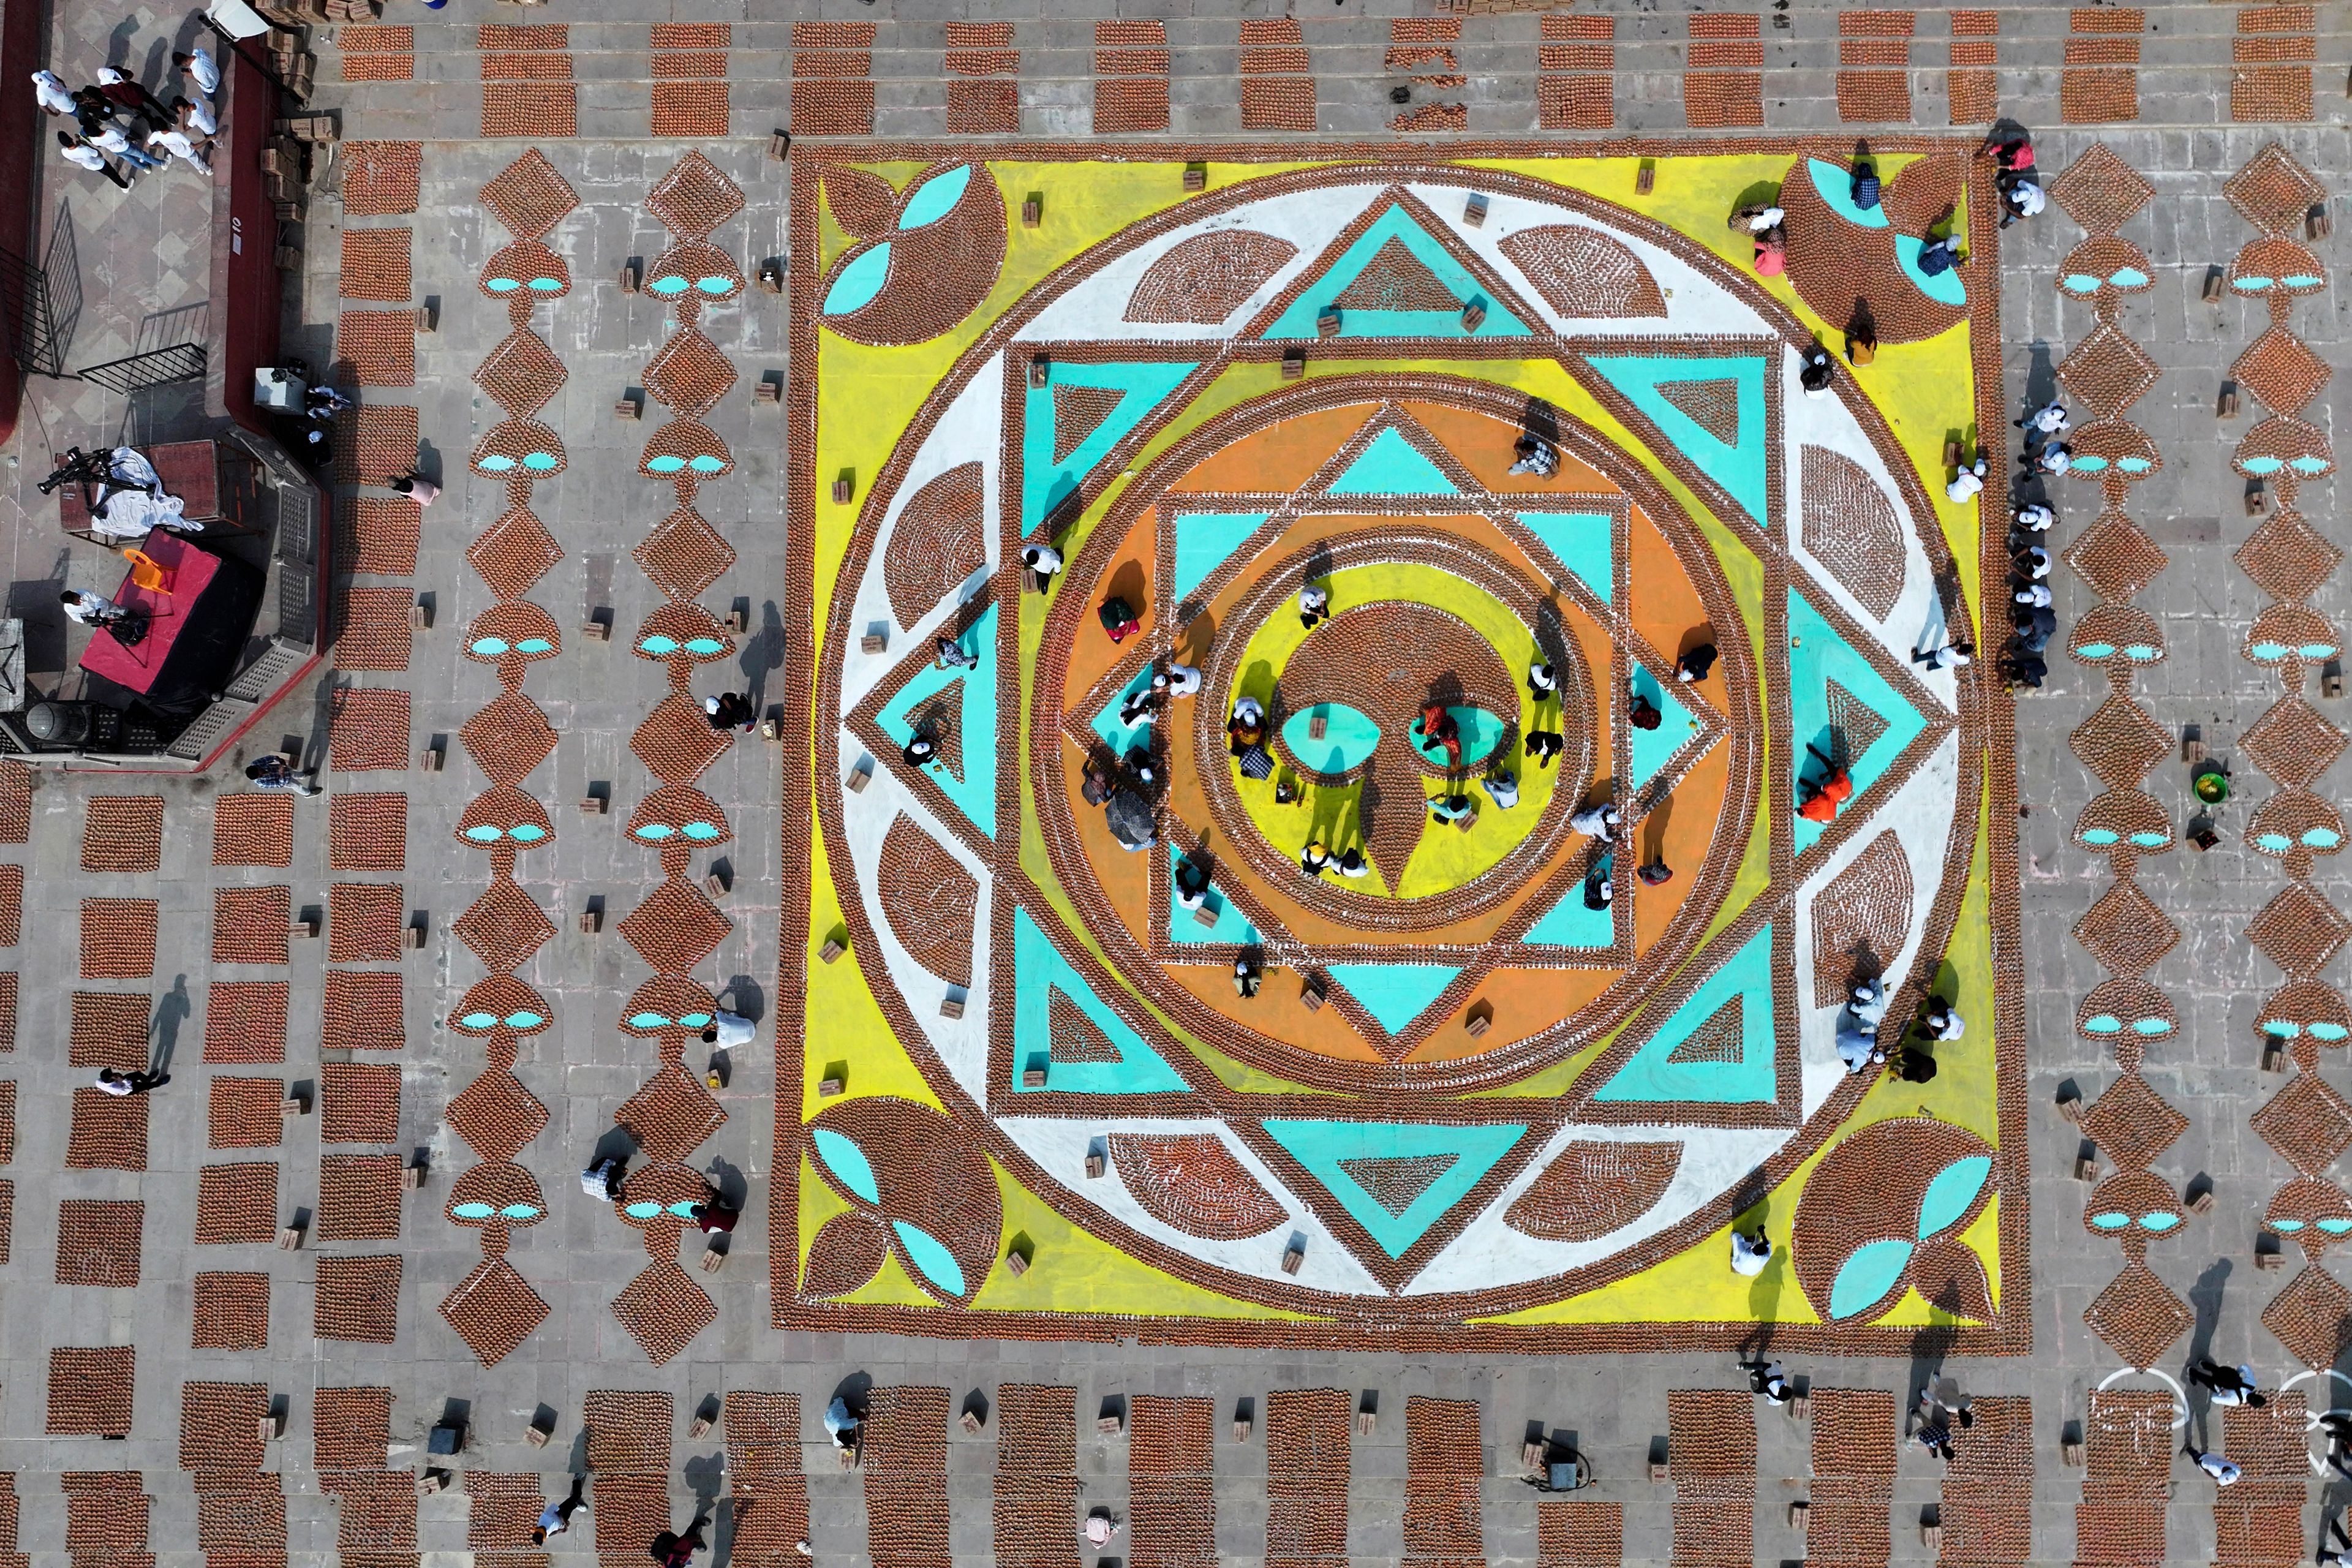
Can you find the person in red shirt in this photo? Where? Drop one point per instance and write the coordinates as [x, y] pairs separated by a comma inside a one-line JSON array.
[[1437, 727], [1822, 799]]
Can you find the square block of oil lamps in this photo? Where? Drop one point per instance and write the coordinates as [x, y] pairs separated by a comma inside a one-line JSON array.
[[232, 1312]]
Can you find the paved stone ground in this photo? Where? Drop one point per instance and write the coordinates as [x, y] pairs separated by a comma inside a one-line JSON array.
[[143, 254]]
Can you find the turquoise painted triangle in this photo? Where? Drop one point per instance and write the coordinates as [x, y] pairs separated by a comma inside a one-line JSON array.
[[1586, 543], [1738, 466], [1648, 1076], [973, 690], [1045, 483], [1205, 540], [1818, 656], [1327, 1148], [1654, 749], [1391, 466], [1184, 925], [1356, 320], [1569, 923], [1039, 969], [1394, 994], [1123, 737]]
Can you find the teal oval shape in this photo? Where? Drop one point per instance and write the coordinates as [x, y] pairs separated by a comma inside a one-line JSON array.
[[656, 831], [1867, 1276], [1481, 733], [529, 833], [2097, 650], [2143, 653], [539, 462], [2263, 465], [491, 645], [2254, 284], [2100, 835], [695, 1020], [2274, 841], [701, 832], [2148, 840], [1349, 737], [666, 464], [2112, 1219], [648, 1021], [706, 464], [2317, 651], [2159, 1220], [2330, 1031], [547, 285], [642, 1210], [2300, 280], [657, 643], [2269, 652], [932, 201], [2090, 463], [848, 1162], [669, 285], [2335, 1224], [1951, 1194], [495, 464], [523, 1211], [2128, 278], [2134, 464], [502, 285], [2102, 1024], [2080, 283], [525, 1019], [534, 645], [932, 1261], [2309, 465], [714, 287], [472, 1211], [705, 645], [2287, 1225], [483, 833], [2281, 1028], [480, 1020], [1944, 287], [2152, 1027], [859, 281], [683, 1208]]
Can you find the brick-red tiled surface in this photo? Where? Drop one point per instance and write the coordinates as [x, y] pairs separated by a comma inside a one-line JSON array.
[[123, 833], [375, 631], [7, 1120], [253, 829], [380, 178], [7, 1009], [379, 346], [249, 924], [218, 1425], [359, 1103], [245, 1021], [89, 1390], [363, 922], [363, 1011], [359, 1197], [108, 1029], [232, 1312], [373, 445], [357, 1299], [108, 1132], [237, 1203], [98, 1242], [369, 730], [245, 1112], [378, 534], [350, 1427], [367, 833], [375, 263], [118, 936]]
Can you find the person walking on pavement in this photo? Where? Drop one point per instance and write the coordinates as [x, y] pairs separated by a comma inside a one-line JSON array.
[[2224, 1472], [198, 68], [119, 1084], [126, 94], [51, 92], [74, 149], [111, 138], [1749, 1254], [1771, 1380], [557, 1517], [2229, 1385], [274, 772]]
